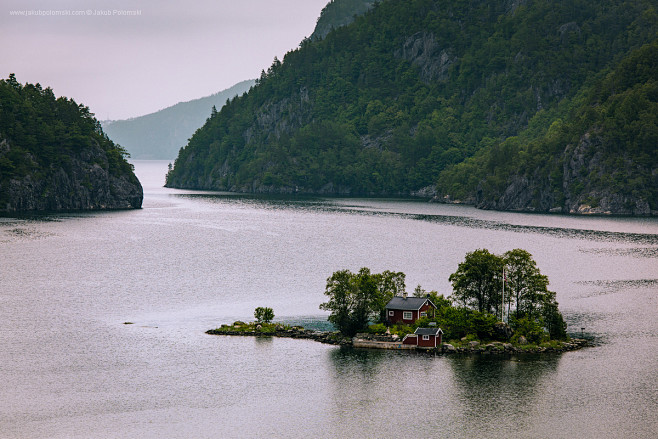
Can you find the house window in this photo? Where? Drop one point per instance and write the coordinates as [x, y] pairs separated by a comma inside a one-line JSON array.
[[426, 337], [391, 313], [423, 314], [407, 315]]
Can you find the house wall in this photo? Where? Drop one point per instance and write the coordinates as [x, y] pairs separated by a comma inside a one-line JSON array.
[[415, 315], [410, 339], [417, 340], [426, 308], [398, 317], [431, 343]]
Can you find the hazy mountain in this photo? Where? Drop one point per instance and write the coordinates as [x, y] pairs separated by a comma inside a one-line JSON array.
[[54, 155], [504, 104], [161, 134]]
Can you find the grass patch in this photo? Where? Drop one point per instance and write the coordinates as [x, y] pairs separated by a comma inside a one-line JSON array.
[[251, 327]]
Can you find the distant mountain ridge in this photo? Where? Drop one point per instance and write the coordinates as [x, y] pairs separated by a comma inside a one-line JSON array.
[[159, 135], [498, 103]]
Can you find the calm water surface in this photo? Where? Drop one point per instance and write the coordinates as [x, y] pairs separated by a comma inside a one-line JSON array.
[[190, 261]]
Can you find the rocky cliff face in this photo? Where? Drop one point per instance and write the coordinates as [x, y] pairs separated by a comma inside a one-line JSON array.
[[423, 51], [583, 189], [83, 183], [582, 170]]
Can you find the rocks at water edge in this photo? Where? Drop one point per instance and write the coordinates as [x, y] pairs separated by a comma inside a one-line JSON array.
[[335, 338]]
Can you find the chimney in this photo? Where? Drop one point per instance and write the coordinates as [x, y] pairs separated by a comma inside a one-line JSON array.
[[404, 295]]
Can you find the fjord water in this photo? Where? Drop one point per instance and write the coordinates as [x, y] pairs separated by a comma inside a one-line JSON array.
[[190, 261]]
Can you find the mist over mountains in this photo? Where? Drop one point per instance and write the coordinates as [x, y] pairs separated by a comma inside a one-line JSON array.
[[160, 135]]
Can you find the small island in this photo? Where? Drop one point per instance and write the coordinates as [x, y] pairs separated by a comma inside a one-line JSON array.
[[499, 304]]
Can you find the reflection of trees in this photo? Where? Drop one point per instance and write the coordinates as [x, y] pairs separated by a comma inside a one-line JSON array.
[[371, 390], [357, 363], [492, 388], [461, 396]]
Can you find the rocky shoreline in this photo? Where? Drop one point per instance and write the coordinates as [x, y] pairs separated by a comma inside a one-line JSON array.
[[334, 338], [473, 347]]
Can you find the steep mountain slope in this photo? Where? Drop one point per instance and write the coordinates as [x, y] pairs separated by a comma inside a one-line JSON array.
[[339, 13], [54, 155], [383, 106], [599, 156], [161, 134]]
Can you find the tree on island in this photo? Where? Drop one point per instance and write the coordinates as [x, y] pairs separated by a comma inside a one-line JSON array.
[[356, 299], [359, 299], [526, 285], [478, 284], [264, 314]]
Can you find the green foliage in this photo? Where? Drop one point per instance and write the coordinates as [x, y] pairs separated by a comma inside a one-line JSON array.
[[477, 283], [459, 322], [338, 13], [553, 320], [264, 314], [355, 299], [499, 91], [529, 328], [377, 328], [439, 300], [526, 286], [617, 113], [401, 329], [42, 134], [252, 327], [159, 135]]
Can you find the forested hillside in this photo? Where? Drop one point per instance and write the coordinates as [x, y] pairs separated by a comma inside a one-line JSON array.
[[55, 156], [598, 155], [161, 134], [477, 96], [339, 13]]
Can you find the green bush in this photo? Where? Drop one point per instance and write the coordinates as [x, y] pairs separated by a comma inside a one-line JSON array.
[[531, 329], [263, 314], [401, 329], [378, 328]]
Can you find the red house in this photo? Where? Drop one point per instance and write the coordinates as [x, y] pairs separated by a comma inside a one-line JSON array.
[[424, 338], [408, 309]]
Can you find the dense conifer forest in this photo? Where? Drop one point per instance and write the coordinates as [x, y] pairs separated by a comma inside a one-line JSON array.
[[55, 156], [507, 104]]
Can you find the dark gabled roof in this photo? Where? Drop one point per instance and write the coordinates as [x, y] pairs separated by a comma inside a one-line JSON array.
[[408, 304], [428, 331]]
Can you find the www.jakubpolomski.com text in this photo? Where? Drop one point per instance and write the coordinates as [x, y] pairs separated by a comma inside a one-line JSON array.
[[75, 13]]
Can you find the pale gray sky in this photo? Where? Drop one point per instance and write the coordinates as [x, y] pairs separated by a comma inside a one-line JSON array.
[[170, 51]]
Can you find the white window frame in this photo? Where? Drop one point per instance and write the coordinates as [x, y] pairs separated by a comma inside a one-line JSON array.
[[423, 314], [426, 337], [407, 315], [391, 312]]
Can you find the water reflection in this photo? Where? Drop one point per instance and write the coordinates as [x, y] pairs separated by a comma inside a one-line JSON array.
[[492, 388], [337, 206], [459, 396], [376, 389]]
